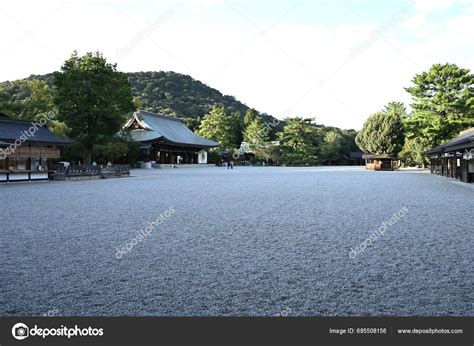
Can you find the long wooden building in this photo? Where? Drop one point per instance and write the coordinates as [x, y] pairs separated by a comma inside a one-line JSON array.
[[27, 149], [167, 140], [455, 159]]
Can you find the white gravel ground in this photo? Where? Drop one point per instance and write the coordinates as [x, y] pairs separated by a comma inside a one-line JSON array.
[[251, 241]]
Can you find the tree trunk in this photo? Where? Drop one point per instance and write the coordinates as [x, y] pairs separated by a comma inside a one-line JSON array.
[[87, 155]]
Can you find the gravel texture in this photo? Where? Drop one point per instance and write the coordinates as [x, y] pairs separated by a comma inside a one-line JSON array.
[[244, 242]]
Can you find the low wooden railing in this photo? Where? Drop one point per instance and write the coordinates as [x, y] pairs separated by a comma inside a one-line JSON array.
[[62, 172]]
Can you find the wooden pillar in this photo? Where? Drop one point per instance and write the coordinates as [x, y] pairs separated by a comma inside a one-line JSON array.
[[463, 171], [453, 167]]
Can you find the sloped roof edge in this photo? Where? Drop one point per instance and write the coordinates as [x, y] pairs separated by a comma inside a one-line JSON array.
[[465, 139], [153, 127]]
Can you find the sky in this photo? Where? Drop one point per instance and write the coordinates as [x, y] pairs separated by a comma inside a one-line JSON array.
[[336, 61]]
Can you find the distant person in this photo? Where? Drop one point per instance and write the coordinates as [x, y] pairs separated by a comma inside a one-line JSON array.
[[231, 164]]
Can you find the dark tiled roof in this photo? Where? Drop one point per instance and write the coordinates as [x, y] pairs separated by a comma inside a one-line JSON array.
[[465, 140], [156, 127], [12, 129], [378, 157]]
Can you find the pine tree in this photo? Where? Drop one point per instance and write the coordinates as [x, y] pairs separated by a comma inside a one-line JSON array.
[[256, 134], [443, 99], [218, 126]]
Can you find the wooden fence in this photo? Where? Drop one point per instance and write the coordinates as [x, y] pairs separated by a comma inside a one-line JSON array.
[[72, 171]]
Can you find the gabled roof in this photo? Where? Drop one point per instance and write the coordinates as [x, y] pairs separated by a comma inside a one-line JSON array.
[[378, 157], [12, 129], [465, 140], [150, 127]]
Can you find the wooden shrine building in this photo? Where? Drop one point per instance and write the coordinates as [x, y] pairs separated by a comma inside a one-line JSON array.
[[383, 162], [455, 159], [167, 140], [27, 149]]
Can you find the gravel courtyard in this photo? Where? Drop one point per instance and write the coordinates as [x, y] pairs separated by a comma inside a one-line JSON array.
[[247, 242]]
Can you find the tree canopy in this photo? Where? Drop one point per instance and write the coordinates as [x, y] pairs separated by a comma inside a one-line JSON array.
[[26, 99], [443, 100], [256, 134], [93, 100], [221, 127], [300, 140], [383, 132]]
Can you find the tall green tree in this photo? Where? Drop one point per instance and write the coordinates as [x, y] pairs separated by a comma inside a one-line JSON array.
[[347, 140], [429, 126], [256, 134], [331, 146], [192, 123], [443, 97], [219, 126], [249, 116], [119, 149], [238, 125], [383, 132], [92, 98], [412, 152], [300, 140], [40, 100]]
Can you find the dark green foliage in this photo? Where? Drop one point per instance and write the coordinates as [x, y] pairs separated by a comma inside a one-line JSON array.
[[221, 127], [172, 94], [444, 89], [443, 103], [412, 152], [256, 134], [331, 146], [249, 116], [192, 123], [383, 132], [300, 140], [119, 149], [93, 99], [26, 99], [176, 94]]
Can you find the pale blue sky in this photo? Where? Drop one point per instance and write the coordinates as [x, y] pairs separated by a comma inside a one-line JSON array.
[[338, 61]]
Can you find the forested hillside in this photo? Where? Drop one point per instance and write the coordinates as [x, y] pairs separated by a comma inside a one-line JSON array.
[[169, 93]]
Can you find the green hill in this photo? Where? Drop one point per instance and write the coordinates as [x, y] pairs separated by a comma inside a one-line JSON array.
[[169, 93]]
